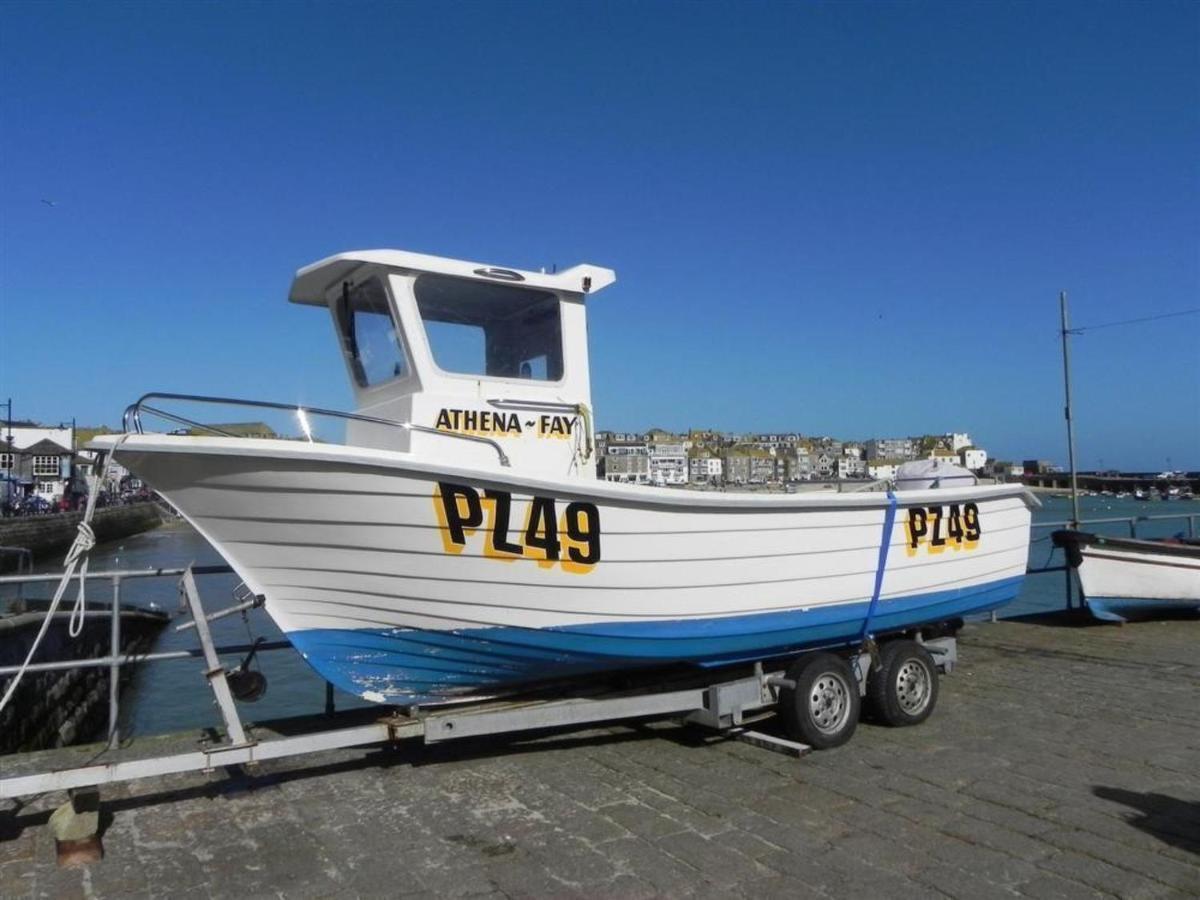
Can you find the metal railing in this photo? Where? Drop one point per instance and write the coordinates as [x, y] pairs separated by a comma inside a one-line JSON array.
[[132, 418], [116, 658], [23, 556]]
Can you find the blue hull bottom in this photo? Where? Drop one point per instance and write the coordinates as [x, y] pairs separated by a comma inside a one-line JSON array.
[[1121, 609], [410, 666]]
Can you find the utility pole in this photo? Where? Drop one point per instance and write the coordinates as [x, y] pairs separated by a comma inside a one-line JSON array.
[[1066, 348], [6, 478]]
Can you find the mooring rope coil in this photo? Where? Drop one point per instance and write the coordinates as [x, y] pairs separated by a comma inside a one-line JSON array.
[[85, 540]]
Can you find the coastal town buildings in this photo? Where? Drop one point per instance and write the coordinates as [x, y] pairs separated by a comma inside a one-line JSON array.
[[958, 440], [890, 448], [973, 458], [848, 467], [884, 469], [668, 462], [50, 464], [44, 462], [36, 461], [625, 461], [704, 467]]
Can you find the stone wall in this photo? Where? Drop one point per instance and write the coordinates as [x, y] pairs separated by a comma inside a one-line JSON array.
[[46, 535], [56, 709]]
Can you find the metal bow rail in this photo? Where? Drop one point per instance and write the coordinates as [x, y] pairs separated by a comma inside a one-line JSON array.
[[132, 419]]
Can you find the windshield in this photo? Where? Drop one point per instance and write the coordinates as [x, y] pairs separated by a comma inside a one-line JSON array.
[[502, 331], [370, 339]]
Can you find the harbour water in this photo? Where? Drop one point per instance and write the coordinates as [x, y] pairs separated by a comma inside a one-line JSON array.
[[172, 695]]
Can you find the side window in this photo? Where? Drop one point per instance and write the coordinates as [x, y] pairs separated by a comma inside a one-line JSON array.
[[370, 338]]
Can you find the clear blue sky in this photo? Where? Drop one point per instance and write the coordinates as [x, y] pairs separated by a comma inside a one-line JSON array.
[[848, 219]]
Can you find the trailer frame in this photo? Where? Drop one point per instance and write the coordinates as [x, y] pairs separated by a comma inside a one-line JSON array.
[[725, 704]]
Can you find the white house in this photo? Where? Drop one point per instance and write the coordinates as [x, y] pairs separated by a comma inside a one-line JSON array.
[[668, 463], [850, 467], [883, 469], [958, 440], [973, 458], [35, 460]]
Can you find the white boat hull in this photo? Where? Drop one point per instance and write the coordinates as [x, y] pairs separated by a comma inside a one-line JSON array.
[[401, 582], [1122, 578]]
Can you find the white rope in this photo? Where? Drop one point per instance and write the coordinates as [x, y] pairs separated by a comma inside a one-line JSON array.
[[85, 540]]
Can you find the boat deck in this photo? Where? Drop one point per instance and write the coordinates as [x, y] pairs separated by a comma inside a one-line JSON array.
[[1063, 761]]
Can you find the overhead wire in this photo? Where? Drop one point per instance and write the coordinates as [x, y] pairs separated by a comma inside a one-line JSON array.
[[1155, 318]]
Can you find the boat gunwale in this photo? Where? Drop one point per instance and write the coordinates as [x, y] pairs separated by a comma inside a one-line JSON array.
[[613, 493], [1088, 543]]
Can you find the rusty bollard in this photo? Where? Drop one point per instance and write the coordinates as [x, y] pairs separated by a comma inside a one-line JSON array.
[[76, 829]]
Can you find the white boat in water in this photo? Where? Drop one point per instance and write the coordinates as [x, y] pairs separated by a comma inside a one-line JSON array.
[[458, 543], [1125, 577]]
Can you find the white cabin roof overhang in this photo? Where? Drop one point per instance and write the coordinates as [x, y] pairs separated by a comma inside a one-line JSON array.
[[312, 283]]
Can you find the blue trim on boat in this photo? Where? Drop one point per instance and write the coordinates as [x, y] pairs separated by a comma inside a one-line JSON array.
[[421, 666], [889, 519], [1121, 609]]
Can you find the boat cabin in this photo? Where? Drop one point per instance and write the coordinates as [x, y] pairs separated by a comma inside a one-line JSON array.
[[461, 348]]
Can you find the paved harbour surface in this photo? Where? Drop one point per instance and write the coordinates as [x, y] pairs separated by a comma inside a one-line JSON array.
[[1063, 761]]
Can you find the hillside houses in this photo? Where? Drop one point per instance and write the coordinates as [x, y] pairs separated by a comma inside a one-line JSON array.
[[37, 461], [707, 458]]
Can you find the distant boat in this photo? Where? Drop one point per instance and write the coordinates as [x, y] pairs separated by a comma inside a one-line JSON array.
[[1125, 577], [1141, 494]]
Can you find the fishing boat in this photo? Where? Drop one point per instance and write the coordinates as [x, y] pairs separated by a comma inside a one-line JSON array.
[[456, 543], [1124, 578]]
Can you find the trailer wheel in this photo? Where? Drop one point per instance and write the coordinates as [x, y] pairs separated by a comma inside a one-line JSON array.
[[904, 690], [822, 709]]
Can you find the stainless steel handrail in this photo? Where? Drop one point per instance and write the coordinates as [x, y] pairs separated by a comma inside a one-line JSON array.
[[133, 416], [543, 405]]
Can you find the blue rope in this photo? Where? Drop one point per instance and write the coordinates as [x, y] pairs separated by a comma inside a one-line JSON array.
[[889, 519]]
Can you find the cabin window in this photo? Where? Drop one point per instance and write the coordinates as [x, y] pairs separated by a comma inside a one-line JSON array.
[[370, 338], [491, 330]]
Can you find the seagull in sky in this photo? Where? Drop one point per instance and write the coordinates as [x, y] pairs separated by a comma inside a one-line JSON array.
[[49, 202]]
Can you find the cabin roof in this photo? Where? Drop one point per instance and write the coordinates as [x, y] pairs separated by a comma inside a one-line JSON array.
[[313, 281]]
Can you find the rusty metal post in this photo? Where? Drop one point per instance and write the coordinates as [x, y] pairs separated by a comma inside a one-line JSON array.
[[1066, 349]]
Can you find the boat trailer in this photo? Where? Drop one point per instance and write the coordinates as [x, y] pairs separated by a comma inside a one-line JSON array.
[[725, 706]]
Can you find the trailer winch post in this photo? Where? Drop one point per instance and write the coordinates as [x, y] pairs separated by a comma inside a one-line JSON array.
[[215, 673]]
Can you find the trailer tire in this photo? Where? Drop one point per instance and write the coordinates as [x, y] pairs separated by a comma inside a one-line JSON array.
[[821, 710], [904, 689]]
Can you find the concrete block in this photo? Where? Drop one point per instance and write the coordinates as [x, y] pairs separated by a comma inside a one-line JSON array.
[[76, 829]]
